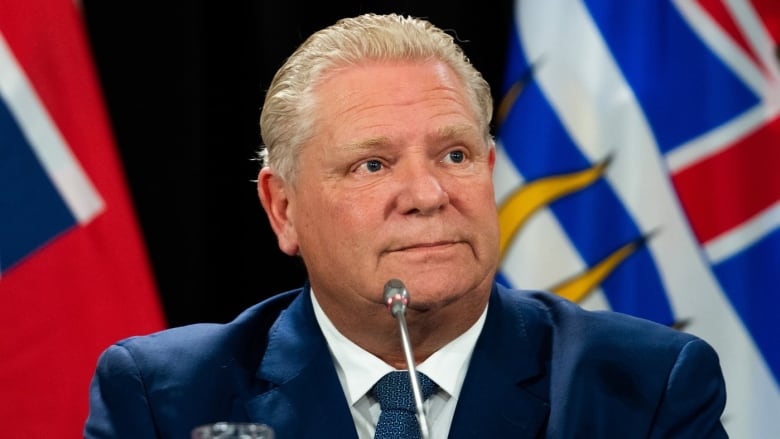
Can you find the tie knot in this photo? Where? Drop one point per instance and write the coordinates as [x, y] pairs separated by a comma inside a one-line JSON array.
[[394, 391]]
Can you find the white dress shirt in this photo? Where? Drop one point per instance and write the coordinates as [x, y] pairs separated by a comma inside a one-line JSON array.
[[359, 370]]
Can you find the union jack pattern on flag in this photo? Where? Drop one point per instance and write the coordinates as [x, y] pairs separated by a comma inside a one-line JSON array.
[[639, 171], [73, 273]]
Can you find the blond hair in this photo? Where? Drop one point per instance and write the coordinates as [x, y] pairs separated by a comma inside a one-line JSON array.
[[287, 118]]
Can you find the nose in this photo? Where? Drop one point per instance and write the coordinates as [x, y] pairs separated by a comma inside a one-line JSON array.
[[422, 191]]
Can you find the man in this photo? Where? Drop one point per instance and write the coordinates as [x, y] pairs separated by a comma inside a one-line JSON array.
[[378, 166]]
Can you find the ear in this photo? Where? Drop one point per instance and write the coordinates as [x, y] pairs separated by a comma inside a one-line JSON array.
[[492, 154], [274, 196]]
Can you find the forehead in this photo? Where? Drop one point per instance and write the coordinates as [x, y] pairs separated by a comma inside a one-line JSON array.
[[387, 75], [376, 93]]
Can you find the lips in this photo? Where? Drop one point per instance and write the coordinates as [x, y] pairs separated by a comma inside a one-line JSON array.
[[425, 246]]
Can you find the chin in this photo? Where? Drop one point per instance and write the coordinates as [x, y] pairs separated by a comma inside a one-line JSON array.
[[430, 293], [432, 284]]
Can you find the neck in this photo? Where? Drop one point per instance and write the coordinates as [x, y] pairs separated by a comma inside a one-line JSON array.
[[374, 329]]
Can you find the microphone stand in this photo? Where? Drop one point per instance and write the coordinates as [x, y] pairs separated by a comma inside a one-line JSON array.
[[397, 298]]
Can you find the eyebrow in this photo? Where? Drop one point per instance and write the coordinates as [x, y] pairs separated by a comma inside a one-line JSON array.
[[454, 131], [369, 144]]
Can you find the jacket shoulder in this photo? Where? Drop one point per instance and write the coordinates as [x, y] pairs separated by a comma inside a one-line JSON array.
[[205, 345], [571, 322], [621, 376]]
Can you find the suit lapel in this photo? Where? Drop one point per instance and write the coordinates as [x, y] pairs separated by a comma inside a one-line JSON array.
[[506, 390], [505, 393], [298, 391]]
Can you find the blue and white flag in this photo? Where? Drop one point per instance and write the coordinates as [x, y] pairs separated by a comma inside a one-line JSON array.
[[639, 147]]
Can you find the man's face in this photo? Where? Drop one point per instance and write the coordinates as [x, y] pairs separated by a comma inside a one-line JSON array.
[[396, 183]]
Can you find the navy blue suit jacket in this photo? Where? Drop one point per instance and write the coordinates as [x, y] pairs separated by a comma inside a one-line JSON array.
[[542, 367]]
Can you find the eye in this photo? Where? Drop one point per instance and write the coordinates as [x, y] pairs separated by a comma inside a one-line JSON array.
[[456, 156], [371, 166]]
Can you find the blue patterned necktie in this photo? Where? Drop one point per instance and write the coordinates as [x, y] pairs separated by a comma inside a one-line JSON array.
[[398, 418]]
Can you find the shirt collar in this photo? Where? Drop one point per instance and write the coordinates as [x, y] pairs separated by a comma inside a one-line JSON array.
[[359, 369]]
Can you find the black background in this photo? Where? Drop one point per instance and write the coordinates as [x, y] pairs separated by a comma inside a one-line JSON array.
[[184, 84]]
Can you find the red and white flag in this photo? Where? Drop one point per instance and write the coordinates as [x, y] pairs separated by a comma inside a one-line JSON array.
[[73, 270]]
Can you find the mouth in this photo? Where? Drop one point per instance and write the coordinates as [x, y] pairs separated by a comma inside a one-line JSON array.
[[425, 246]]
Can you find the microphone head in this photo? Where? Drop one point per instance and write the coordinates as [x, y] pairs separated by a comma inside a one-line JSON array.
[[396, 297]]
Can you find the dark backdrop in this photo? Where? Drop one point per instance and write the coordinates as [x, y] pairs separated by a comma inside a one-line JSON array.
[[184, 83]]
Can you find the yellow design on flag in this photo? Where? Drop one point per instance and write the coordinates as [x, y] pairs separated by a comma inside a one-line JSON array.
[[520, 205]]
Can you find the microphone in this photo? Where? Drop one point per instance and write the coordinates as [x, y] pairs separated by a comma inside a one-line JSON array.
[[397, 298]]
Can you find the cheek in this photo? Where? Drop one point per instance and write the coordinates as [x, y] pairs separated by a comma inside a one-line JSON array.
[[353, 219], [336, 220], [479, 205], [478, 196]]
